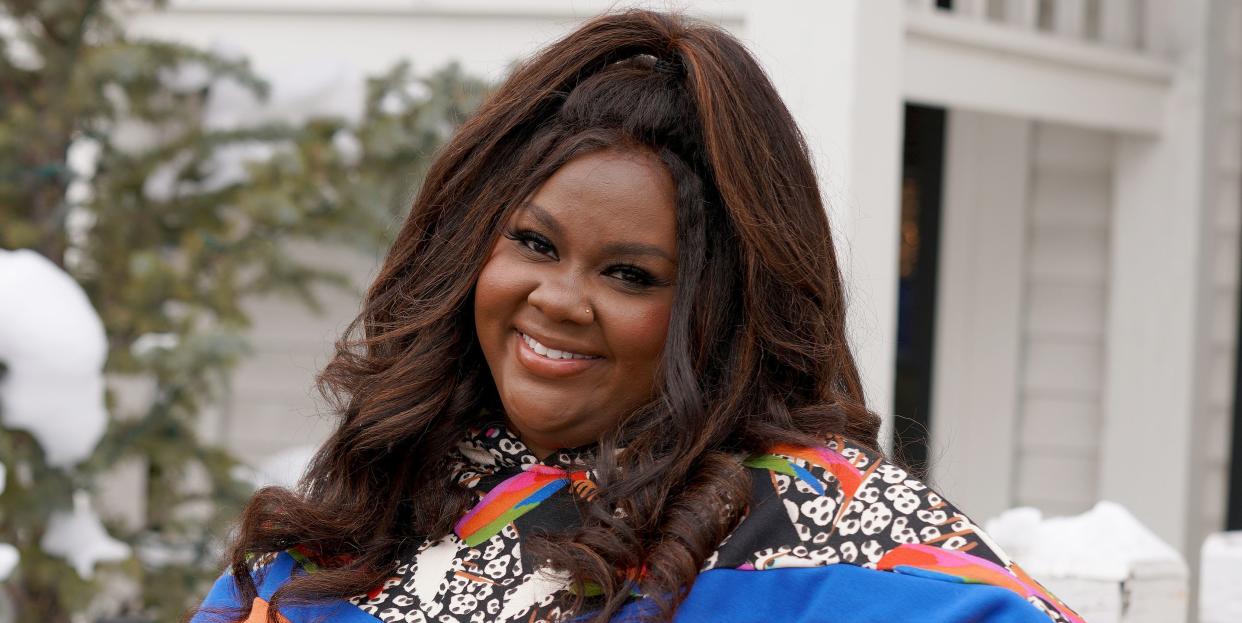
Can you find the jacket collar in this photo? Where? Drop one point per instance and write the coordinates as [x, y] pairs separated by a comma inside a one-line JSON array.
[[494, 448]]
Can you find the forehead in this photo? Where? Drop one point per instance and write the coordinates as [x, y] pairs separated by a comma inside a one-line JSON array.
[[613, 194]]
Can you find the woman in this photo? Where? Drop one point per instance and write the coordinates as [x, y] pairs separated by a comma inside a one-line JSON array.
[[604, 374]]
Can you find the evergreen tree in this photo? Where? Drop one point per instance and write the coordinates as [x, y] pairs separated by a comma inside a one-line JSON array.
[[108, 169]]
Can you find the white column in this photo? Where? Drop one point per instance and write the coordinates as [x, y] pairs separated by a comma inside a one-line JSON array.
[[837, 64], [1069, 18], [1159, 300], [1119, 23], [1022, 13], [979, 309]]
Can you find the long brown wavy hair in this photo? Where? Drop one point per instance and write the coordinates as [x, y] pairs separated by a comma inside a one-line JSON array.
[[756, 351]]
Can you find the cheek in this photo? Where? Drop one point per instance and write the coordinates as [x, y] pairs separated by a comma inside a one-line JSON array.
[[637, 334], [497, 294]]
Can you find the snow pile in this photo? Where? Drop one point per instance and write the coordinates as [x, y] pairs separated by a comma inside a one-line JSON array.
[[80, 538], [162, 182], [307, 89], [398, 102], [347, 146], [187, 77], [8, 560], [228, 165], [149, 343], [16, 48], [83, 160], [1103, 563], [1105, 543], [53, 344], [155, 554], [301, 91]]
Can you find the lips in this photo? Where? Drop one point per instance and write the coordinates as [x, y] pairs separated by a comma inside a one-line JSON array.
[[552, 353], [552, 362]]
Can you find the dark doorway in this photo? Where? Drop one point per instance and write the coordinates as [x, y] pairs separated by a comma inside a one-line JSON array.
[[1233, 514], [921, 176]]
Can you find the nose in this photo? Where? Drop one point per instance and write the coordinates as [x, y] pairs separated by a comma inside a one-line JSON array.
[[561, 298]]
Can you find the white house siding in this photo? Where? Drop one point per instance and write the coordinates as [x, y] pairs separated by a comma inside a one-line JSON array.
[[1217, 405], [1062, 345], [272, 402]]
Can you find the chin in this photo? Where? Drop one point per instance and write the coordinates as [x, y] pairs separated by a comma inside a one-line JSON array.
[[543, 424], [550, 429]]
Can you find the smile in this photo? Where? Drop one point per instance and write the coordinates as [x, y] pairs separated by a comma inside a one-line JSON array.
[[550, 363], [551, 353]]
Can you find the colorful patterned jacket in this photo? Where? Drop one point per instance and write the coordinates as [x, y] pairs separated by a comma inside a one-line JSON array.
[[832, 534]]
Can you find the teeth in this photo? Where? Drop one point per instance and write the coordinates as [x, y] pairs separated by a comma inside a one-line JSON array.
[[550, 353]]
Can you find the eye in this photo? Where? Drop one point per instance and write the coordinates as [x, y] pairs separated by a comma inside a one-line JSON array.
[[532, 241], [633, 276]]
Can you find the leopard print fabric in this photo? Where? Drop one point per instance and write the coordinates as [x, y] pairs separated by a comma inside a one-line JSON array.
[[841, 504]]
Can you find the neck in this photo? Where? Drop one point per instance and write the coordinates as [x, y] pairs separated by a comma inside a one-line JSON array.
[[536, 449]]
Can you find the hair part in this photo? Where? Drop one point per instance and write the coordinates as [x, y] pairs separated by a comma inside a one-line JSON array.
[[756, 352]]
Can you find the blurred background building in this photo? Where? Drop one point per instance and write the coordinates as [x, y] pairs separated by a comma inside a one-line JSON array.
[[1037, 204]]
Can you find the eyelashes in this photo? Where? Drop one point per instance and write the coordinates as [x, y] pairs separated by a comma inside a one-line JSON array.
[[531, 241], [631, 275], [635, 274]]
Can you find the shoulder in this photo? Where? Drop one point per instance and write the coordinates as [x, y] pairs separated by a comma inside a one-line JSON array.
[[805, 501], [223, 604], [843, 503]]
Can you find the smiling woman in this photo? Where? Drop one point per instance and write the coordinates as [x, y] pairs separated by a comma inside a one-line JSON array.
[[603, 373], [571, 308]]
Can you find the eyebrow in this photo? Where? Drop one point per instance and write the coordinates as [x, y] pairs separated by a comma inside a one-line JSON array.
[[544, 218], [636, 248], [613, 248]]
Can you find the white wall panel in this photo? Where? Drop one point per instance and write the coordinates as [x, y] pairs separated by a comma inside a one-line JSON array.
[[1069, 255], [1217, 407], [1072, 311], [1228, 198], [979, 308], [1224, 324], [1066, 282], [1052, 481], [1071, 150], [273, 403], [1066, 424]]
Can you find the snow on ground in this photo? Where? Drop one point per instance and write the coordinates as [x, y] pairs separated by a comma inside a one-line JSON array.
[[53, 344]]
